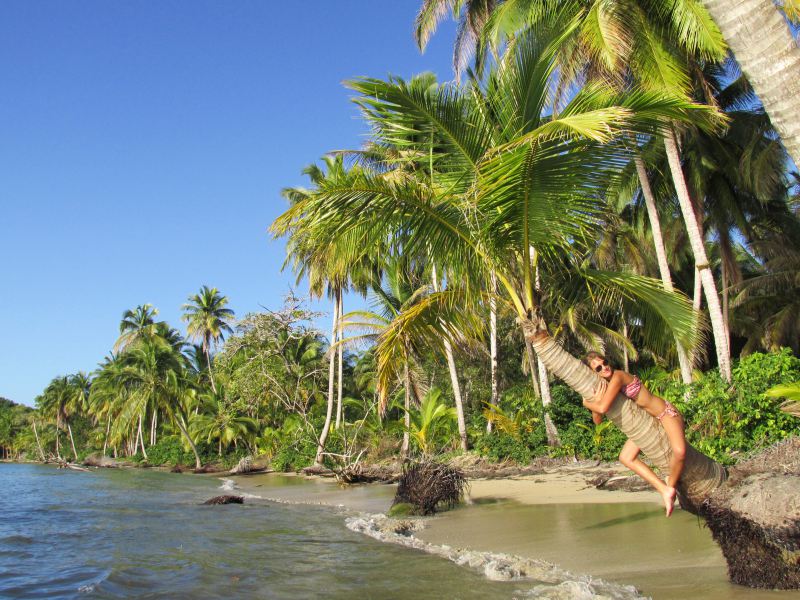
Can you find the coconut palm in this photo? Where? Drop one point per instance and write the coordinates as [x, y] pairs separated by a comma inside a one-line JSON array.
[[327, 268], [764, 46], [154, 377], [207, 320], [618, 43], [217, 420], [431, 421], [136, 324]]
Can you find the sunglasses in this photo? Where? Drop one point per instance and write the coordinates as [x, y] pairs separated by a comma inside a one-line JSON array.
[[599, 367]]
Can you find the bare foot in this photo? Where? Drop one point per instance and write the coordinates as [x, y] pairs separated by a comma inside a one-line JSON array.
[[669, 496]]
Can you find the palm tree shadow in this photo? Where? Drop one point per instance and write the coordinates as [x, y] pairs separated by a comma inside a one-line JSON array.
[[639, 516]]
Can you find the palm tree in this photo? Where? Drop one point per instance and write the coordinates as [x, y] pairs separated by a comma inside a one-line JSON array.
[[765, 48], [53, 404], [471, 15], [135, 325], [207, 320], [513, 176], [327, 268], [154, 377], [432, 419], [77, 401], [620, 42], [403, 289], [217, 420]]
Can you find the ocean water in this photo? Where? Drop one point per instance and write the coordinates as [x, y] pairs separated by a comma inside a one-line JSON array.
[[114, 533]]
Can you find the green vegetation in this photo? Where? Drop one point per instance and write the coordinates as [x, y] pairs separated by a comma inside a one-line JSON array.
[[606, 176]]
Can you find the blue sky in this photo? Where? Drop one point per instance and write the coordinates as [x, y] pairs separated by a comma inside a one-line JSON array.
[[143, 147]]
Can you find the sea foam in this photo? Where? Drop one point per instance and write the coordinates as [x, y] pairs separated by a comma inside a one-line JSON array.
[[554, 583]]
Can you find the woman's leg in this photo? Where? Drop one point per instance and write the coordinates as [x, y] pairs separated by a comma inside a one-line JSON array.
[[673, 426], [629, 456]]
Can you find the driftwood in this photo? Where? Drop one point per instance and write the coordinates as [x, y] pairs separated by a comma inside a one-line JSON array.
[[225, 499]]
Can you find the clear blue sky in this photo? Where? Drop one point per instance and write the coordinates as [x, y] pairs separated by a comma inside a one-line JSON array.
[[143, 146]]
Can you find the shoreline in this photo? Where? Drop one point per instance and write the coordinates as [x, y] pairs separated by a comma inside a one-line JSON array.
[[513, 527]]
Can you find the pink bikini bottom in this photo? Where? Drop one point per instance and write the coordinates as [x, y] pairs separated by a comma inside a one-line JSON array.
[[669, 411]]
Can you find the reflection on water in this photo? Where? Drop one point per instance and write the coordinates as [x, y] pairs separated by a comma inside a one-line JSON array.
[[143, 534]]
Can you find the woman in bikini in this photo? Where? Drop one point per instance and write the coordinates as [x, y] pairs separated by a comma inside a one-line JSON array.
[[631, 386]]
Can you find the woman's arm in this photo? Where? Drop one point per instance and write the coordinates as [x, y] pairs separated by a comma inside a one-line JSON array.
[[602, 405]]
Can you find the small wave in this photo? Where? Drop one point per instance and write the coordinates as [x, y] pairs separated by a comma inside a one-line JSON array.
[[558, 583], [87, 589]]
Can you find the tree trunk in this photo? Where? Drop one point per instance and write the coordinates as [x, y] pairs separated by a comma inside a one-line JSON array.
[[769, 57], [340, 335], [140, 438], [197, 463], [58, 450], [451, 366], [407, 417], [323, 437], [533, 369], [72, 441], [553, 438], [701, 475], [493, 346], [108, 429], [752, 515], [153, 426], [661, 252], [700, 257], [207, 351], [38, 443]]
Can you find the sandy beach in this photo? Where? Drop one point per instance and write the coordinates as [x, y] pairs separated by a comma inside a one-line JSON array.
[[557, 516]]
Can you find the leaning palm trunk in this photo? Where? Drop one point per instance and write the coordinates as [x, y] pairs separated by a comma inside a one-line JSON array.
[[553, 438], [770, 59], [661, 252], [323, 437], [38, 443], [140, 438], [179, 422], [72, 441], [700, 257], [753, 514]]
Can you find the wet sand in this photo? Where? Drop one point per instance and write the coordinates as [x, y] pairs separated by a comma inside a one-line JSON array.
[[615, 535]]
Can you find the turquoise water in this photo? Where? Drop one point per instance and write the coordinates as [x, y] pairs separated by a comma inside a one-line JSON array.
[[142, 534]]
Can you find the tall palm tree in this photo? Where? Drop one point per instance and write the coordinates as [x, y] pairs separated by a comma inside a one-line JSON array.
[[135, 325], [207, 320], [327, 268], [622, 42], [765, 48]]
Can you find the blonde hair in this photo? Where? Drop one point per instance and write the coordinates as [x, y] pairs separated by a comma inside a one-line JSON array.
[[590, 356]]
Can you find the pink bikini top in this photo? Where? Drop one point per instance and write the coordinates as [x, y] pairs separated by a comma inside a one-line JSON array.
[[632, 389]]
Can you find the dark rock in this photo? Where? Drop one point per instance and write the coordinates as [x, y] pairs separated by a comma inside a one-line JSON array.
[[225, 499]]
